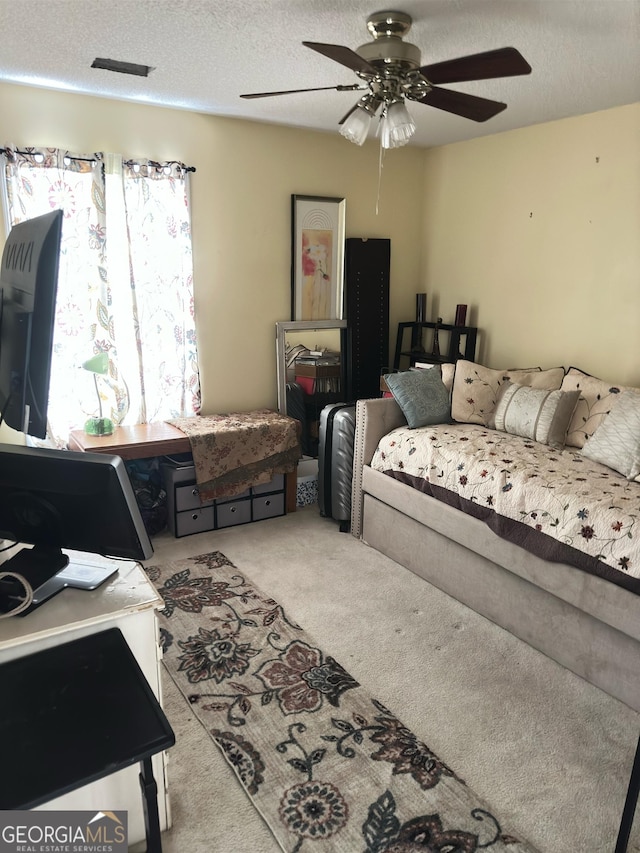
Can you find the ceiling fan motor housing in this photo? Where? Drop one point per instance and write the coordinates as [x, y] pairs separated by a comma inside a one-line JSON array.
[[395, 24], [387, 47]]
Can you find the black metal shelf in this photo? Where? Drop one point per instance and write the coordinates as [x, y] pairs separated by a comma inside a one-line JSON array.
[[417, 353]]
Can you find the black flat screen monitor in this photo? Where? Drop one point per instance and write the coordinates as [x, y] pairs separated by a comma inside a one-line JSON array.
[[62, 499], [28, 288]]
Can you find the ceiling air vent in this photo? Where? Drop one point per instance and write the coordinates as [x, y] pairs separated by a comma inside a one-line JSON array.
[[122, 67]]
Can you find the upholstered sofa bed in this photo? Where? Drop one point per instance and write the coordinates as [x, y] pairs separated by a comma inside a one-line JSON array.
[[517, 493]]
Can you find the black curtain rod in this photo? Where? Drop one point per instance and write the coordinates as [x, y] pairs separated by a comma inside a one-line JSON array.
[[153, 163], [33, 153], [157, 165]]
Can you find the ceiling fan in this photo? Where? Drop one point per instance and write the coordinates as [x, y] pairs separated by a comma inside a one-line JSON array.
[[390, 72]]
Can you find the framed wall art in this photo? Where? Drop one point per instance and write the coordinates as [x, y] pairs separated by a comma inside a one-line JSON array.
[[317, 257]]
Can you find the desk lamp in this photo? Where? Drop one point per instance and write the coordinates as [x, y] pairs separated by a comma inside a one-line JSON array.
[[98, 364]]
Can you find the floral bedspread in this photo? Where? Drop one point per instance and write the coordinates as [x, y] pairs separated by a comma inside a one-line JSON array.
[[234, 451], [558, 504]]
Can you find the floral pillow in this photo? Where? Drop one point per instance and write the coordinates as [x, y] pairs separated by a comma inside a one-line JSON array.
[[597, 398], [476, 388], [448, 372]]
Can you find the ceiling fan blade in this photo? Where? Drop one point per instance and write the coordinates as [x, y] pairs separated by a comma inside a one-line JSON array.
[[351, 88], [503, 62], [462, 104], [343, 55]]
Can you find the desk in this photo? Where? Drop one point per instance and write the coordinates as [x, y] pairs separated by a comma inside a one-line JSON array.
[[157, 439], [134, 442], [129, 602], [75, 713]]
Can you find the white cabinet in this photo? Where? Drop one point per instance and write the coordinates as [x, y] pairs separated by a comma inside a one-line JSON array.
[[127, 601]]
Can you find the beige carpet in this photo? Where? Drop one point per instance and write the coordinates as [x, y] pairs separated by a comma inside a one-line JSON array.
[[549, 752]]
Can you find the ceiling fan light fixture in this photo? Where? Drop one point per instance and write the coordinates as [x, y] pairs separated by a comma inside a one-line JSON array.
[[355, 127], [397, 125]]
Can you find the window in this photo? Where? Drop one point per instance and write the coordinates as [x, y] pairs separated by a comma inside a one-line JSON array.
[[125, 284]]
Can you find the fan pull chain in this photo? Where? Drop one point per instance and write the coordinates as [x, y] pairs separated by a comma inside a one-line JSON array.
[[380, 164]]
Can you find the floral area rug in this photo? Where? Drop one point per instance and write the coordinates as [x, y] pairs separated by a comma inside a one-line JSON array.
[[327, 766]]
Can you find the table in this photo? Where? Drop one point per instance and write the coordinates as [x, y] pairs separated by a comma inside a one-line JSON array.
[[142, 441], [134, 442], [127, 601], [75, 713]]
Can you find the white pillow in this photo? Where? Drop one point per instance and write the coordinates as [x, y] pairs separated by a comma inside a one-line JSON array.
[[616, 441], [597, 399]]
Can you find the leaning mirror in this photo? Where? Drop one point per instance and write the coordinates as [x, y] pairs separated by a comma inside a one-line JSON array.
[[310, 372]]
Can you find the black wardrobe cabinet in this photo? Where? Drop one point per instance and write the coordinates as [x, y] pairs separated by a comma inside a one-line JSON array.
[[366, 338]]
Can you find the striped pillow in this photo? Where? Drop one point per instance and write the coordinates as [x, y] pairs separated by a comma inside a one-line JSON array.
[[535, 413]]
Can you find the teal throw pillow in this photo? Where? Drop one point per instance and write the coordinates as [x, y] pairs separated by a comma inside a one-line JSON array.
[[422, 396]]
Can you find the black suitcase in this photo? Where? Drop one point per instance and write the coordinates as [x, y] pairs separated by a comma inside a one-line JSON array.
[[335, 461], [296, 408]]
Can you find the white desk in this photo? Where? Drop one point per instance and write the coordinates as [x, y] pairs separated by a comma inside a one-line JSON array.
[[127, 601]]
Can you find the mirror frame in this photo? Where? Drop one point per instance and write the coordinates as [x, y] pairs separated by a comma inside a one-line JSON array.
[[296, 326]]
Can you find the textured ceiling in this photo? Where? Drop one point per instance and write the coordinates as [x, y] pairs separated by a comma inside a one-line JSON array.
[[584, 54]]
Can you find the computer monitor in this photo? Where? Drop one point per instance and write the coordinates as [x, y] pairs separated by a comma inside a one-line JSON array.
[[28, 288], [58, 500]]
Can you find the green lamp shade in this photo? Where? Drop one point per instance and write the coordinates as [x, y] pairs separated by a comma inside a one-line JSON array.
[[98, 426]]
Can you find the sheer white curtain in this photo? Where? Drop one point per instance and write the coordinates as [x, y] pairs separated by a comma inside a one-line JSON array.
[[125, 284]]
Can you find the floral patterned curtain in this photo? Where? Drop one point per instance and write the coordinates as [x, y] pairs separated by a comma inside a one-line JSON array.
[[130, 295], [157, 219], [36, 181]]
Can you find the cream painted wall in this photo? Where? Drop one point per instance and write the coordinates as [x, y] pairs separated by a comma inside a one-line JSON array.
[[241, 220], [538, 230]]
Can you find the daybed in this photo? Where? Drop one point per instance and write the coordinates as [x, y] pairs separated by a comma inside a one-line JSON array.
[[498, 504]]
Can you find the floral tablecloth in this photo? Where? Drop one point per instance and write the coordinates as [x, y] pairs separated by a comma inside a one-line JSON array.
[[234, 451]]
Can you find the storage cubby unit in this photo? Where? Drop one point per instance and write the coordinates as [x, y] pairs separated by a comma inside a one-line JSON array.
[[186, 514], [452, 347]]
